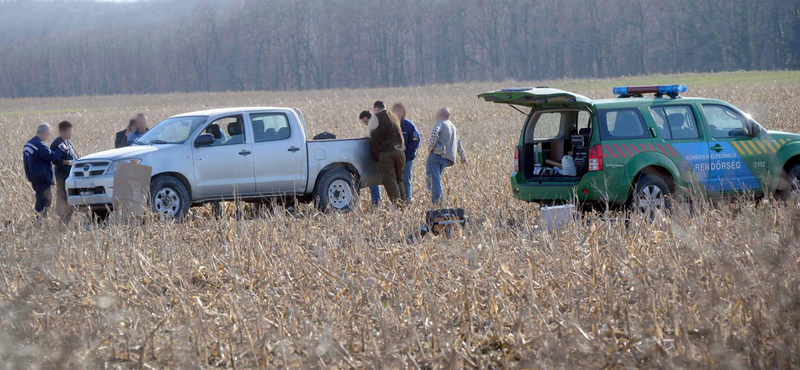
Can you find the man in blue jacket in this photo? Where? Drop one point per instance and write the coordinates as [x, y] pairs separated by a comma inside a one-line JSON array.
[[63, 166], [411, 138], [38, 160]]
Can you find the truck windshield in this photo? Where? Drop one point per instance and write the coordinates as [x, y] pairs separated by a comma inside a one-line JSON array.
[[173, 130]]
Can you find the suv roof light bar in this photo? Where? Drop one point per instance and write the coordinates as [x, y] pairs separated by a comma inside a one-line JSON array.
[[673, 91]]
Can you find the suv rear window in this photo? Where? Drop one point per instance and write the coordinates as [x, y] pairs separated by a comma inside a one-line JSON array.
[[623, 123]]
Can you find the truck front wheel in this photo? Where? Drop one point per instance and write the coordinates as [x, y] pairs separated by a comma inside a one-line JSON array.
[[169, 198], [335, 189]]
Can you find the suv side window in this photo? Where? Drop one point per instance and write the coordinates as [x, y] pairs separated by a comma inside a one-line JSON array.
[[270, 127], [675, 122], [724, 122], [622, 123], [227, 130], [548, 126], [660, 117]]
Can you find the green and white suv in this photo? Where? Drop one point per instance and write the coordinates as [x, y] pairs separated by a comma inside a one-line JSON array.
[[643, 151]]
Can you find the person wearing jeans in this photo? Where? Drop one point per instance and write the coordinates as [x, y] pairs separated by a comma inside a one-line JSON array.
[[374, 191], [443, 144], [411, 139]]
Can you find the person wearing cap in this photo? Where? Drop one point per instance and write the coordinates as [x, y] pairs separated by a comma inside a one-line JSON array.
[[63, 166], [38, 161]]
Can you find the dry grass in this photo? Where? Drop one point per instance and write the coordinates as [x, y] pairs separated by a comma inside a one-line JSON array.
[[307, 290]]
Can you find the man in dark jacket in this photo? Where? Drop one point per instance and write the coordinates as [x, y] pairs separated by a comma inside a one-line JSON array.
[[388, 149], [121, 139], [63, 166], [38, 160]]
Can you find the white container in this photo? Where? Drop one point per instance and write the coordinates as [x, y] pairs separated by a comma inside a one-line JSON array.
[[568, 166], [557, 217]]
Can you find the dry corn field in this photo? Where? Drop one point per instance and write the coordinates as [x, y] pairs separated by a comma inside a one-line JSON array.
[[301, 289]]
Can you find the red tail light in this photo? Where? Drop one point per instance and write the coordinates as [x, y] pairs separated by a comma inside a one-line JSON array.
[[516, 159], [596, 158]]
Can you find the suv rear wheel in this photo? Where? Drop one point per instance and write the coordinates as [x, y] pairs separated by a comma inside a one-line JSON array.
[[650, 196]]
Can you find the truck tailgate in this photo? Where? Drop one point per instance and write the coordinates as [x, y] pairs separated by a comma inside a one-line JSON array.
[[355, 152]]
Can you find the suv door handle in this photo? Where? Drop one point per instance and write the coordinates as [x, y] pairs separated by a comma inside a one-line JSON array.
[[293, 149], [717, 148], [245, 153]]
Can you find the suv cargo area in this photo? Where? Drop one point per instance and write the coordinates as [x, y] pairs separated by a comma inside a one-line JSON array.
[[555, 145]]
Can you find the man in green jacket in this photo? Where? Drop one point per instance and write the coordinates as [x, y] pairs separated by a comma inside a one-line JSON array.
[[388, 149]]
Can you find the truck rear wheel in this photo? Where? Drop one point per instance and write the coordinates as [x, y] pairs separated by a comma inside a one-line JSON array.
[[650, 196], [169, 198], [335, 190]]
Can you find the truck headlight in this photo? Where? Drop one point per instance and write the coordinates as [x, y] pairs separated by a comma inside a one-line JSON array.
[[112, 168]]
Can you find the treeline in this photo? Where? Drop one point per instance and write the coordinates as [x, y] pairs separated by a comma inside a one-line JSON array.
[[317, 44]]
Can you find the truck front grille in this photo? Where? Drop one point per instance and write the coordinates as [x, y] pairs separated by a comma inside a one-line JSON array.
[[89, 169]]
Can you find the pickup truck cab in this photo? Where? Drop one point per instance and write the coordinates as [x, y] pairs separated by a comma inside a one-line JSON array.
[[643, 151], [250, 154]]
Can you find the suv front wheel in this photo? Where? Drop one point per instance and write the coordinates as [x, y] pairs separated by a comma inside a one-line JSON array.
[[650, 196], [791, 186]]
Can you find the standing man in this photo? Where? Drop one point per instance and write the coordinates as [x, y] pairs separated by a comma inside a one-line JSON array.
[[141, 129], [38, 161], [63, 166], [442, 144], [388, 149], [374, 191], [121, 139], [411, 139]]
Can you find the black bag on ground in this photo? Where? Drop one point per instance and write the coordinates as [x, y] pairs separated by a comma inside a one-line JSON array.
[[439, 220], [324, 136]]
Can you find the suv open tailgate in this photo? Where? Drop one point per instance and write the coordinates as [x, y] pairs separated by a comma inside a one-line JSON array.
[[534, 97]]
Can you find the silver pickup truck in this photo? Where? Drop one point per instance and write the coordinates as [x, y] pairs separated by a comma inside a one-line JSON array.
[[251, 154]]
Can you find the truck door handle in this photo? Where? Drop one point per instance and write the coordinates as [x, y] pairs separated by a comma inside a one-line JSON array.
[[245, 153], [293, 149]]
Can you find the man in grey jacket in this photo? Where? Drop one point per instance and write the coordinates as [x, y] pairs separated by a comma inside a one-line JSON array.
[[442, 144]]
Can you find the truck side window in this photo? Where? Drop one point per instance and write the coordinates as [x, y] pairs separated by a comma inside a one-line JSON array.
[[622, 123], [270, 127], [227, 130], [723, 122]]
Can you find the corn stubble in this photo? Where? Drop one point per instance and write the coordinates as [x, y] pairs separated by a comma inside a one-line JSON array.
[[301, 289]]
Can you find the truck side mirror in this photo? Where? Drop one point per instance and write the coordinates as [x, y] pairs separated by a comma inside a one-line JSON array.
[[204, 140]]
